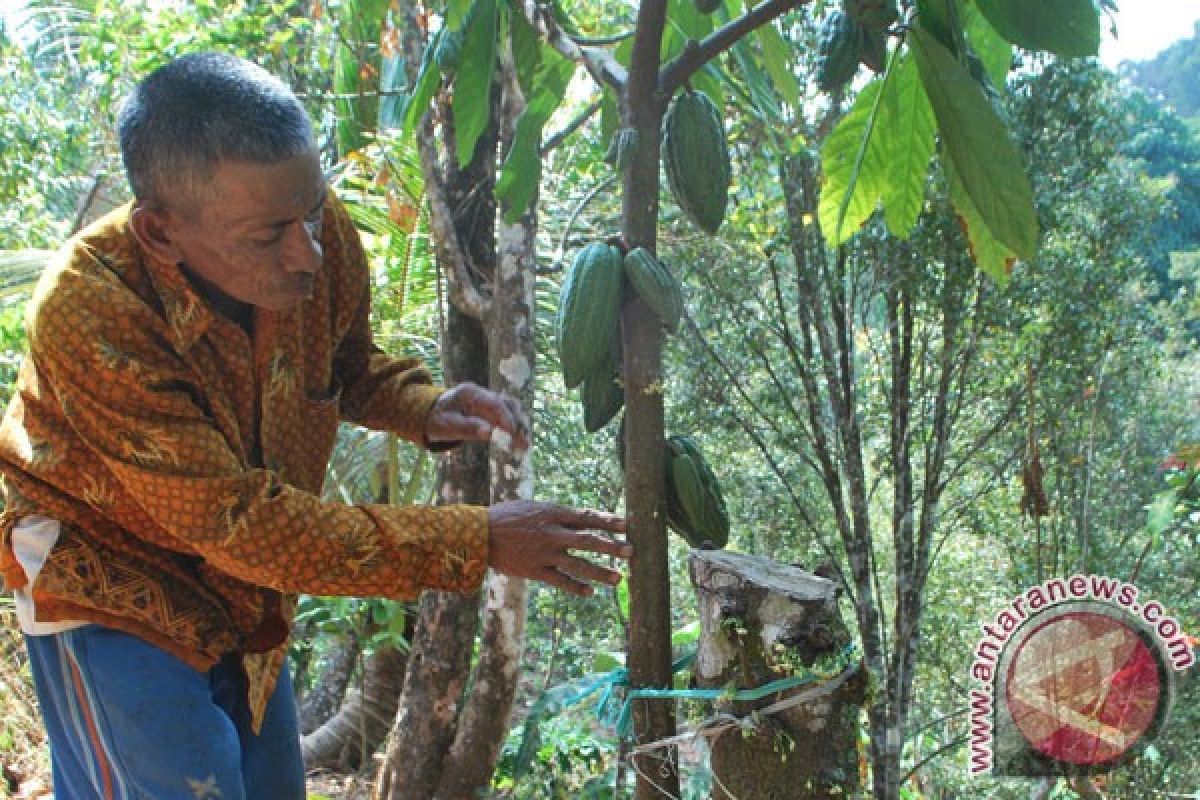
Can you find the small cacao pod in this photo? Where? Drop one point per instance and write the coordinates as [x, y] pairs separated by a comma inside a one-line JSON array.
[[839, 51], [707, 6], [588, 312], [695, 505], [696, 159], [655, 284]]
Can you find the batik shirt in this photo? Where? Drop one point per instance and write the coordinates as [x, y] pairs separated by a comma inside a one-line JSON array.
[[185, 457]]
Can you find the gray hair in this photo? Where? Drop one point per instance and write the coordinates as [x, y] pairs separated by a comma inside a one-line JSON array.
[[198, 110]]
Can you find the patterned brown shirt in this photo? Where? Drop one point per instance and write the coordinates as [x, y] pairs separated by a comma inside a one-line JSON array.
[[185, 457]]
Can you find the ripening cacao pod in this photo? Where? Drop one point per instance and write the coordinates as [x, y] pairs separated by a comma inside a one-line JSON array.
[[695, 505], [839, 51], [707, 6], [621, 148], [655, 284], [696, 159], [602, 396], [588, 312]]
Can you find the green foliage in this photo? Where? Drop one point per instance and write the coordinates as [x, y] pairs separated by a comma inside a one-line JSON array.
[[977, 148], [1063, 27], [473, 82], [543, 76]]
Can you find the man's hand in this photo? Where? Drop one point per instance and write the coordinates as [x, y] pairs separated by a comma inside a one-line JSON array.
[[533, 540], [469, 413]]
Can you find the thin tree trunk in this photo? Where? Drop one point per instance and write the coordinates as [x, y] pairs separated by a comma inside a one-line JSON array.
[[427, 721], [347, 740], [334, 670], [510, 330]]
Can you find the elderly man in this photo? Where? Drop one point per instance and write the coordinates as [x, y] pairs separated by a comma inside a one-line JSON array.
[[190, 357]]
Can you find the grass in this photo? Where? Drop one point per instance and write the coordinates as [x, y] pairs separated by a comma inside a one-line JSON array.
[[24, 757]]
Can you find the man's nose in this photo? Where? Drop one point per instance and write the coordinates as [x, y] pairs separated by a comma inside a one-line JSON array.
[[303, 253]]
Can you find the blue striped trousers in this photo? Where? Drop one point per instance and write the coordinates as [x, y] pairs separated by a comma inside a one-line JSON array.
[[128, 721]]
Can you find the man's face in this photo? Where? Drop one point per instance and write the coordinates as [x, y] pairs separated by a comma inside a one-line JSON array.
[[254, 230]]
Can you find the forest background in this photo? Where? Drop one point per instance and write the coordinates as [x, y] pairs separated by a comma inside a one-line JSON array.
[[1082, 359]]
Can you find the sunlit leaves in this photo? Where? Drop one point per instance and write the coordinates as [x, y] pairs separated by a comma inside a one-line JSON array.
[[880, 151], [907, 127], [853, 167]]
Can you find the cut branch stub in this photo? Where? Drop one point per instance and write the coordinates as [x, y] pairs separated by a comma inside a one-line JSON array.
[[762, 621]]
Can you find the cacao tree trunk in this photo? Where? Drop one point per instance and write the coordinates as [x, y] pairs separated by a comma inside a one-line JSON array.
[[509, 324], [649, 645], [761, 621]]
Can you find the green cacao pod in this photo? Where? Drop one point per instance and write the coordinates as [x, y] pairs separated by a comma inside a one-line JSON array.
[[707, 6], [839, 52], [695, 505], [448, 51], [588, 312], [655, 284], [602, 396], [621, 148], [696, 159]]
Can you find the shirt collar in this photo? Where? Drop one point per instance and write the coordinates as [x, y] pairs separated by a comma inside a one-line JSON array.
[[188, 315]]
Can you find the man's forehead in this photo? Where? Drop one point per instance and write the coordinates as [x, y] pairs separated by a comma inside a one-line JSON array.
[[248, 193]]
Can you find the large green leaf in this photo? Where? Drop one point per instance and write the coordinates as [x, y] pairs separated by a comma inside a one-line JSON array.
[[522, 170], [976, 143], [906, 128], [776, 54], [1063, 27], [993, 49], [429, 77], [990, 255], [852, 163], [473, 85], [683, 16], [456, 13], [761, 96]]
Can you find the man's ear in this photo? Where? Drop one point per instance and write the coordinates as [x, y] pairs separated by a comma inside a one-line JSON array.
[[155, 233]]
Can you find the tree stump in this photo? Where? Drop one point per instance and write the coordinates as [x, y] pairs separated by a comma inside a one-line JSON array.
[[762, 621]]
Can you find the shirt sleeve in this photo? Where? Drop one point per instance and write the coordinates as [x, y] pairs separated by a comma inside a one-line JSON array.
[[380, 392], [132, 402]]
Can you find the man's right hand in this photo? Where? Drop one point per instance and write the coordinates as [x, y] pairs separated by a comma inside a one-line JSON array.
[[528, 539]]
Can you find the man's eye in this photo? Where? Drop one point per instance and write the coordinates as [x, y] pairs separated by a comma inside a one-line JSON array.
[[269, 241]]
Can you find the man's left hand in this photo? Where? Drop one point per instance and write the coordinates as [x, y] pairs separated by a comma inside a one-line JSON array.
[[470, 413]]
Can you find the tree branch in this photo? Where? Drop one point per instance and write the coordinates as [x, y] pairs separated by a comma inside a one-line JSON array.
[[672, 76], [600, 64], [451, 254], [555, 139]]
